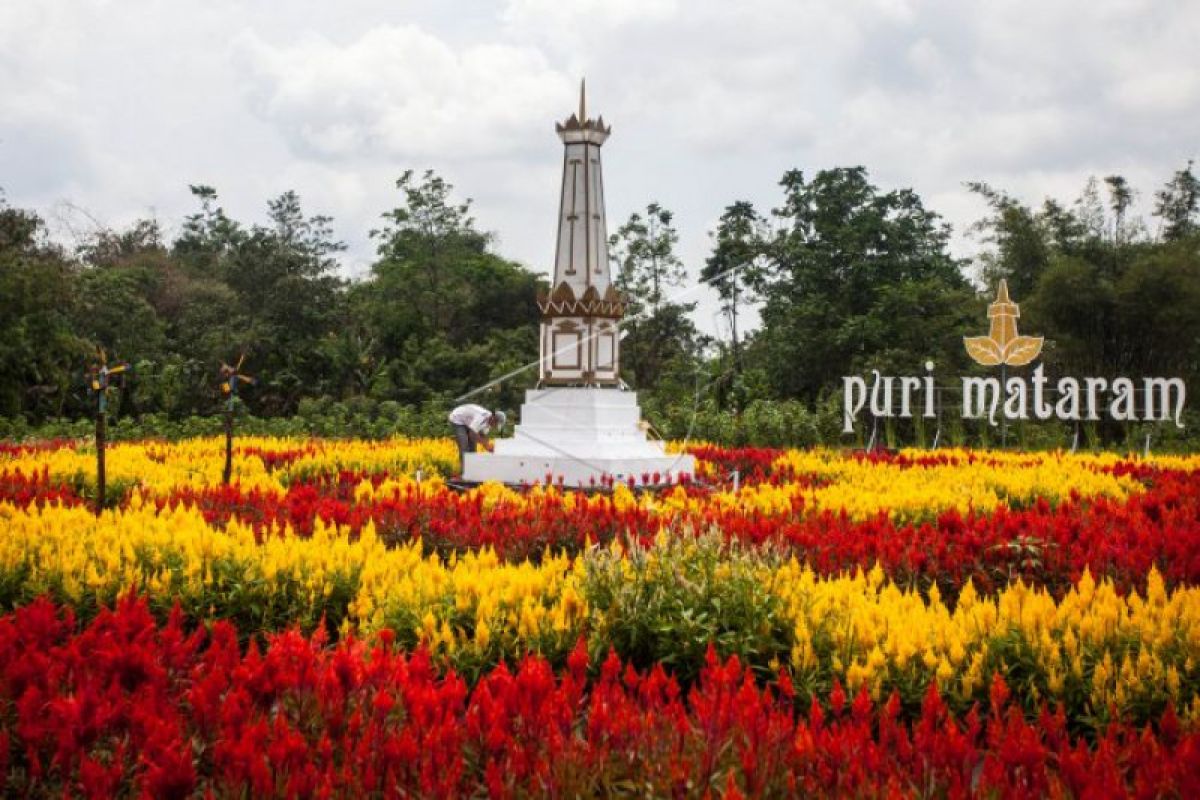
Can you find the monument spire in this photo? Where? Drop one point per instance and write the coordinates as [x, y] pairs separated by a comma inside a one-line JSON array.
[[579, 316], [581, 425]]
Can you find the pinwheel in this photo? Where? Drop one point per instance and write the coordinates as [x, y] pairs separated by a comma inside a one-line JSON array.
[[100, 376], [231, 378]]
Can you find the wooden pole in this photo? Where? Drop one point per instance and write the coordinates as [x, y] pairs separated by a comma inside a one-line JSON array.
[[100, 481], [228, 473], [232, 377]]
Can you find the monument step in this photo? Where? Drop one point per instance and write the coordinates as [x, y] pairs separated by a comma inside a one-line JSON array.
[[581, 433], [518, 469], [546, 416], [584, 449], [579, 397]]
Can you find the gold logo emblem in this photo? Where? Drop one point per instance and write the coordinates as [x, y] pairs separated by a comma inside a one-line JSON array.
[[1003, 345]]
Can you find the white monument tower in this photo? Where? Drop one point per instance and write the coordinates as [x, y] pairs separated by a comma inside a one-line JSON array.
[[580, 425]]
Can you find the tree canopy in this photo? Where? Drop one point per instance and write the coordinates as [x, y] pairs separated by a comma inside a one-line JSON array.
[[855, 278], [843, 275]]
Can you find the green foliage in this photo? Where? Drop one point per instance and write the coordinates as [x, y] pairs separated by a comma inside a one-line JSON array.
[[643, 250], [1109, 300], [683, 594], [1019, 238], [40, 351], [763, 423], [733, 269], [848, 278], [660, 351], [444, 313], [660, 348], [1178, 205], [438, 316], [851, 277], [360, 418]]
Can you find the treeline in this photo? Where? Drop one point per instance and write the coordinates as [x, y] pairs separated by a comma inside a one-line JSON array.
[[845, 278], [439, 313]]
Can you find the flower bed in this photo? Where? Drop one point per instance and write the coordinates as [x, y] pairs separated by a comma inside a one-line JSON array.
[[126, 705], [1030, 620]]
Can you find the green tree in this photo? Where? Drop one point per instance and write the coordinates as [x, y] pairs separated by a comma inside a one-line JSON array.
[[108, 248], [41, 356], [120, 276], [442, 308], [290, 298], [420, 249], [660, 338], [1109, 300], [271, 291], [207, 235], [1178, 205], [734, 268], [1022, 251], [1120, 199], [1157, 307], [355, 366], [207, 321], [851, 273], [142, 302], [643, 250]]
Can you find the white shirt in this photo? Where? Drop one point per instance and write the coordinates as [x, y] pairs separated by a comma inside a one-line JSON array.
[[477, 418]]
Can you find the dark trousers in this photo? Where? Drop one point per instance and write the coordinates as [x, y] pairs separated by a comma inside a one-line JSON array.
[[465, 440]]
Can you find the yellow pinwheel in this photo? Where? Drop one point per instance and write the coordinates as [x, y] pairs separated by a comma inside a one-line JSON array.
[[232, 377]]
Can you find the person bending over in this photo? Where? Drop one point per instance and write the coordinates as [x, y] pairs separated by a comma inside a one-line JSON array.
[[471, 424]]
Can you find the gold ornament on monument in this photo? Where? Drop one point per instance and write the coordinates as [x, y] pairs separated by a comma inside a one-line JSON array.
[[1003, 345]]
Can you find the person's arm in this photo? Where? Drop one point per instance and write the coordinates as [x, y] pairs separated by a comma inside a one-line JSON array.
[[479, 439]]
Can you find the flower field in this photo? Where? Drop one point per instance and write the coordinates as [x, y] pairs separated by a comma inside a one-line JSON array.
[[340, 622]]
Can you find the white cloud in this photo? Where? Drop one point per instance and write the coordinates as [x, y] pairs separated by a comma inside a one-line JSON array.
[[118, 106], [399, 91], [574, 25], [1165, 92]]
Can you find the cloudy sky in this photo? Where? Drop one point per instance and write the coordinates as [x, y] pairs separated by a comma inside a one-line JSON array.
[[109, 109]]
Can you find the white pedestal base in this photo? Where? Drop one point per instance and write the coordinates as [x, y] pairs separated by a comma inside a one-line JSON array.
[[581, 437]]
